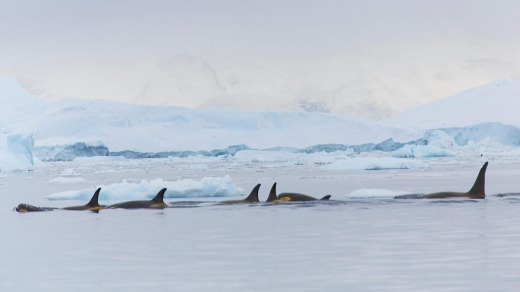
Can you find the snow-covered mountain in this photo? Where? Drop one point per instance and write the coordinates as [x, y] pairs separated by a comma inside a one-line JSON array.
[[494, 102], [122, 126], [76, 127]]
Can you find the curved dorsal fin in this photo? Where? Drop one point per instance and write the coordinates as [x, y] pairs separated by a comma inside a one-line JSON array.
[[272, 194], [94, 202], [253, 196], [326, 197], [480, 183], [159, 198]]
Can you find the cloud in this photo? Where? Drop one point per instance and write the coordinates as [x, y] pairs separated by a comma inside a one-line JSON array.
[[369, 58]]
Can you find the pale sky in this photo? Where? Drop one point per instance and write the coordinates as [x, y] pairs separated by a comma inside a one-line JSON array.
[[365, 58]]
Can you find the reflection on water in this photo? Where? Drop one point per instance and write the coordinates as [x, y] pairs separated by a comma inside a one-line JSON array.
[[357, 245]]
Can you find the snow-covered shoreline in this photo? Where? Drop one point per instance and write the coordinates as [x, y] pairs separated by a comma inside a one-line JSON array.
[[38, 130]]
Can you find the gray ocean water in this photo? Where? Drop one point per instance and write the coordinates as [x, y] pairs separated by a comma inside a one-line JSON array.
[[408, 245], [351, 245]]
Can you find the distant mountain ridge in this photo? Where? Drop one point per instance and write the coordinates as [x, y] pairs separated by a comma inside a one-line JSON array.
[[128, 127], [494, 102], [485, 111]]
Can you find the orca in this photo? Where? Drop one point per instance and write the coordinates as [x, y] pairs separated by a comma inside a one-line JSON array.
[[296, 197], [24, 208], [92, 205], [476, 192], [272, 195], [290, 197], [156, 203], [251, 199]]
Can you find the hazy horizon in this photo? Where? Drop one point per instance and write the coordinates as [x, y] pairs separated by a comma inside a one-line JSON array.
[[364, 58]]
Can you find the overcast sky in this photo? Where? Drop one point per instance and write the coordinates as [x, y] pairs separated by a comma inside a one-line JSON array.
[[366, 58]]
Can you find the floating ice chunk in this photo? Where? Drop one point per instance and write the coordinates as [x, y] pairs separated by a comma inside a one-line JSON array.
[[415, 151], [440, 139], [185, 188], [439, 145], [374, 163], [67, 180], [405, 152]]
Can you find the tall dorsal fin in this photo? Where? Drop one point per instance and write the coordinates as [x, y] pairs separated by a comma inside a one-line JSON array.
[[159, 198], [94, 202], [253, 196], [480, 183], [272, 194]]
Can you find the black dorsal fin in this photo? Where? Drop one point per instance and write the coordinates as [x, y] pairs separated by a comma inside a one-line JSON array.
[[94, 202], [253, 196], [159, 198], [480, 183], [326, 197], [272, 194]]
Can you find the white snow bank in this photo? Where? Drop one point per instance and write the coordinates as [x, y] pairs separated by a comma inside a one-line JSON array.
[[16, 152], [494, 102], [186, 188], [373, 194], [374, 163]]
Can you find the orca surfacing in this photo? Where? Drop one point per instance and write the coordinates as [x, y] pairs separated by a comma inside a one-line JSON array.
[[476, 192], [156, 203], [252, 198], [92, 205], [290, 197]]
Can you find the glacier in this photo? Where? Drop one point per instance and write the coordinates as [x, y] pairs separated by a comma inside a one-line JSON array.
[[501, 133], [433, 143], [73, 128]]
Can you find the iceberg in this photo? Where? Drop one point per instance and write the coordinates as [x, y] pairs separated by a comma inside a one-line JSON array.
[[16, 152], [185, 188], [67, 180], [423, 151]]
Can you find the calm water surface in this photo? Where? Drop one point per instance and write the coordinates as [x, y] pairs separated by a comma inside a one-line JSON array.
[[359, 245], [353, 245]]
